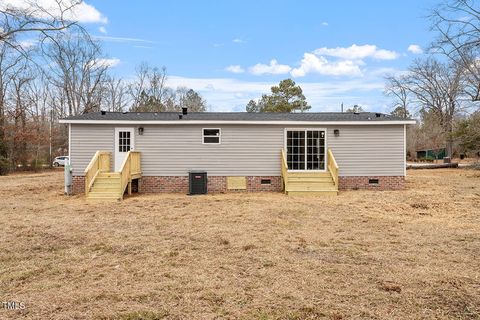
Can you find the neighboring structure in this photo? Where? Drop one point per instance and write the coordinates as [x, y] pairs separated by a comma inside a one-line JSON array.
[[431, 154], [294, 152]]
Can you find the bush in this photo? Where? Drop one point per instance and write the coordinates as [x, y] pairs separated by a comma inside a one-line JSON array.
[[4, 166]]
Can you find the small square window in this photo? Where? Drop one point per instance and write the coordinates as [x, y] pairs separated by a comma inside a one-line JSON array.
[[211, 136]]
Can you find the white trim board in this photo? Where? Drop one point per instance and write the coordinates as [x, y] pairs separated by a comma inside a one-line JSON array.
[[300, 123]]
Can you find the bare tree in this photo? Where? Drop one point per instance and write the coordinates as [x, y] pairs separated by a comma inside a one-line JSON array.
[[457, 23], [79, 70], [189, 98], [115, 94], [35, 19], [8, 68], [149, 91], [397, 89], [19, 103], [437, 88]]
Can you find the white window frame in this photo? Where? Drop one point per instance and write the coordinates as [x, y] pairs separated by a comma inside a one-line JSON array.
[[132, 137], [219, 136], [307, 129]]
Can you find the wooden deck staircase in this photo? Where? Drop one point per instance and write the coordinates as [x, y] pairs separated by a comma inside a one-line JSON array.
[[103, 185], [311, 183]]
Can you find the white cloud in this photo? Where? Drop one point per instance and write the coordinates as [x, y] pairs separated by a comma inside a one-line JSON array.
[[355, 52], [109, 62], [82, 12], [314, 64], [225, 94], [272, 68], [102, 29], [345, 61], [235, 69], [415, 49], [238, 40], [325, 23]]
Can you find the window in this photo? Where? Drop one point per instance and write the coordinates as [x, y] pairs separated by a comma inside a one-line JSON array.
[[123, 141], [306, 149], [211, 136]]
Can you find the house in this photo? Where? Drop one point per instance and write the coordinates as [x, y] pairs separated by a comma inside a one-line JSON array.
[[316, 153]]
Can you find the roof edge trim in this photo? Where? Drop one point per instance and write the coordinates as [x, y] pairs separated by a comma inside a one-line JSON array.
[[290, 122]]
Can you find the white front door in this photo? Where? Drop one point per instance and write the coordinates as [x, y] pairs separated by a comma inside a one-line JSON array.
[[124, 142]]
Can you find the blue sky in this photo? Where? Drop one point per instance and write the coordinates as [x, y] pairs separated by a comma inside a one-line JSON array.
[[233, 51]]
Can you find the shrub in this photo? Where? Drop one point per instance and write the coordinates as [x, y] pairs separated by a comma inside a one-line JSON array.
[[4, 166]]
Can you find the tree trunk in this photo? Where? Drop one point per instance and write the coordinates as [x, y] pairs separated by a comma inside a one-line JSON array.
[[3, 142]]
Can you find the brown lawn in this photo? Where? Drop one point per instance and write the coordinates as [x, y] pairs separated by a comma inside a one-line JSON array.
[[412, 254]]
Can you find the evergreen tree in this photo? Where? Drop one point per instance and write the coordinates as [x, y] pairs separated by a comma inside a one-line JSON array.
[[286, 97]]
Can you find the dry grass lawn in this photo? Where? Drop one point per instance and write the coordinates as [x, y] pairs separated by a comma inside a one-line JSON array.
[[412, 254]]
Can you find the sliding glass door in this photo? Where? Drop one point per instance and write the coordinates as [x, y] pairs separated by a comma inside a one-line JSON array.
[[306, 149]]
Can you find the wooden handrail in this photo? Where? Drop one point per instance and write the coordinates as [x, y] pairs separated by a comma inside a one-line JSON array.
[[129, 168], [99, 163], [284, 169], [332, 167]]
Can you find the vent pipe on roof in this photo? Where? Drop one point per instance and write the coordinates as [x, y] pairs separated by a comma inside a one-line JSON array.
[[184, 110], [378, 115], [103, 112], [180, 116]]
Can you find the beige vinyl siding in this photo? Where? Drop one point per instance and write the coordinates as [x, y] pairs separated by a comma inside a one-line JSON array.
[[369, 150], [85, 141], [245, 150]]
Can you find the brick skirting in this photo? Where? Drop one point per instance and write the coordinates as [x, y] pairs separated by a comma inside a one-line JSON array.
[[78, 184], [215, 184], [384, 183]]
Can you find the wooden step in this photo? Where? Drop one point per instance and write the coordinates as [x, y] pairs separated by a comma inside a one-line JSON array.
[[106, 184], [309, 174], [110, 175], [309, 179], [105, 196], [307, 187], [299, 182], [312, 193], [304, 187], [104, 190]]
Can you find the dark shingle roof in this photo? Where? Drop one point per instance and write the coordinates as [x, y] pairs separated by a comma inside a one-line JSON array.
[[236, 116]]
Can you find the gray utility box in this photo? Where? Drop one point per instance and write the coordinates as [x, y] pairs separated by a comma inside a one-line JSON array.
[[197, 182]]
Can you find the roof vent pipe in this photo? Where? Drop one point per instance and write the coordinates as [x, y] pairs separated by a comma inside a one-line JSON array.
[[378, 115], [180, 116], [103, 112], [184, 110]]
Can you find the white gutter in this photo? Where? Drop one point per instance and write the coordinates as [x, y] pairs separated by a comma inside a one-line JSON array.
[[166, 122]]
